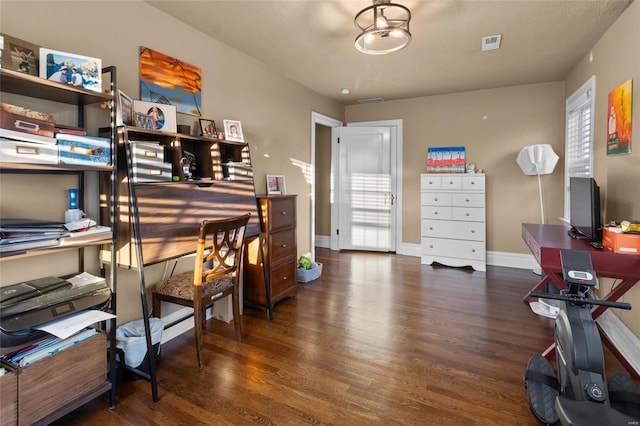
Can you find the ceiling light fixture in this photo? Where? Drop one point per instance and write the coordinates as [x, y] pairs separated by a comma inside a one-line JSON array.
[[384, 26]]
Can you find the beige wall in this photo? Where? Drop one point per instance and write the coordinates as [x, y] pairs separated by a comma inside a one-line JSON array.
[[275, 112], [493, 125], [614, 60]]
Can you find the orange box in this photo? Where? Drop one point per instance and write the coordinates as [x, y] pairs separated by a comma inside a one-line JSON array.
[[621, 243]]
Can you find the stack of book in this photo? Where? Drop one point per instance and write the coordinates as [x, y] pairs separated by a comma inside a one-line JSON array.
[[19, 235]]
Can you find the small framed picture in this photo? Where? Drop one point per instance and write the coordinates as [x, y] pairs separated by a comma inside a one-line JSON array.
[[164, 115], [233, 131], [276, 185], [20, 55], [71, 69], [144, 121], [125, 109], [208, 128]]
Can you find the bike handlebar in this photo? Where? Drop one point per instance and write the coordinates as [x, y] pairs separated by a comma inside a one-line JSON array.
[[581, 299]]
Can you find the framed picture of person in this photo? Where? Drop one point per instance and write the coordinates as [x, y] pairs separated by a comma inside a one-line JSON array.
[[208, 128], [233, 131]]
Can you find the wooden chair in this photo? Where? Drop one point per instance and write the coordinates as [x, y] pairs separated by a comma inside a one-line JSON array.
[[216, 275]]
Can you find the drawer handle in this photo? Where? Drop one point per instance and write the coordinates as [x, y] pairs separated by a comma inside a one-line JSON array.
[[473, 250], [431, 228], [436, 212], [473, 231], [284, 246], [467, 215], [450, 182], [284, 278], [466, 199], [473, 183], [430, 183], [284, 213], [435, 199], [430, 246]]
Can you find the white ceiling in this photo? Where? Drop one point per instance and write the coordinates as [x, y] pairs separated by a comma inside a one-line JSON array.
[[312, 42]]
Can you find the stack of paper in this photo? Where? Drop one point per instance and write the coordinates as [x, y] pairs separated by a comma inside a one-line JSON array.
[[27, 234]]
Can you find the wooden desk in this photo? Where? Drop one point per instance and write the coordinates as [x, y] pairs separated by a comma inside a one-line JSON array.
[[545, 242]]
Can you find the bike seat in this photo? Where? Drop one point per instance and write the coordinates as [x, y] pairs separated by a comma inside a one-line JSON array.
[[580, 413]]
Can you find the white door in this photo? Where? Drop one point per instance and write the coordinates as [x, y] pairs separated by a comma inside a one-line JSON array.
[[366, 189]]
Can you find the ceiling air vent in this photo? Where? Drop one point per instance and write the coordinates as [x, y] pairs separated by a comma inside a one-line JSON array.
[[491, 42], [370, 100]]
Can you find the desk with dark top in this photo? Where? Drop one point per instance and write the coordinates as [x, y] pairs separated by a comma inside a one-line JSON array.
[[545, 242]]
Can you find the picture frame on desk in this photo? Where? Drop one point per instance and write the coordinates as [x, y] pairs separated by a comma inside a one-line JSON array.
[[276, 185], [163, 115], [233, 131], [208, 128]]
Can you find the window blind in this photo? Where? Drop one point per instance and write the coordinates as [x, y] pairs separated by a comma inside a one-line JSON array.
[[578, 160]]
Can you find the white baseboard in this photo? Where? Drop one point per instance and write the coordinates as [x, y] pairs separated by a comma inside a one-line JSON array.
[[494, 258]]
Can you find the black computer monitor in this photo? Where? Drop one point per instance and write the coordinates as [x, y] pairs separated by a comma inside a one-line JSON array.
[[585, 221]]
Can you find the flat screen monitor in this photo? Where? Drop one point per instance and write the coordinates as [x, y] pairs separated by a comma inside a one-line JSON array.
[[584, 196]]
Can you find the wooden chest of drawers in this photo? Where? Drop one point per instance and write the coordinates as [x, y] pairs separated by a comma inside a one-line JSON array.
[[453, 220], [278, 225]]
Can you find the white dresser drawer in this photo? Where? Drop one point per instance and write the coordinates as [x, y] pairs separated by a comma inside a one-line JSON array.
[[430, 182], [473, 182], [474, 231], [453, 248], [436, 212], [468, 200], [472, 214], [452, 182], [436, 199]]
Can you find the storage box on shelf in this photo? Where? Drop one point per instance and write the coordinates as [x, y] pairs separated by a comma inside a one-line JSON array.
[[51, 384], [148, 162], [9, 396]]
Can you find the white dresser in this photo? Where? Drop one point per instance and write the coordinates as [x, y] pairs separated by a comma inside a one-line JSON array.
[[453, 230]]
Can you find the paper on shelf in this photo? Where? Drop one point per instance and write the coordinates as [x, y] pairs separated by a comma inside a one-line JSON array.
[[83, 279], [67, 326]]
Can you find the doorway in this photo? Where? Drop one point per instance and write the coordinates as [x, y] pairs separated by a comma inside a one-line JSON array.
[[326, 207]]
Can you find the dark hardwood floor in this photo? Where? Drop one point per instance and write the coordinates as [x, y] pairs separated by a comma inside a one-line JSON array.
[[378, 340]]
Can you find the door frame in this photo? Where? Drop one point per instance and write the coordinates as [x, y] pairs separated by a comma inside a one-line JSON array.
[[323, 120], [395, 125]]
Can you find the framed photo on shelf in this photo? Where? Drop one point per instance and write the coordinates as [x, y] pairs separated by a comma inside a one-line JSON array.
[[164, 115], [276, 185], [233, 131], [71, 69], [208, 128], [20, 55], [125, 109]]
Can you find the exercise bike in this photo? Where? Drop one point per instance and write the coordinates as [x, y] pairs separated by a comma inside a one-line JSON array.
[[581, 394]]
